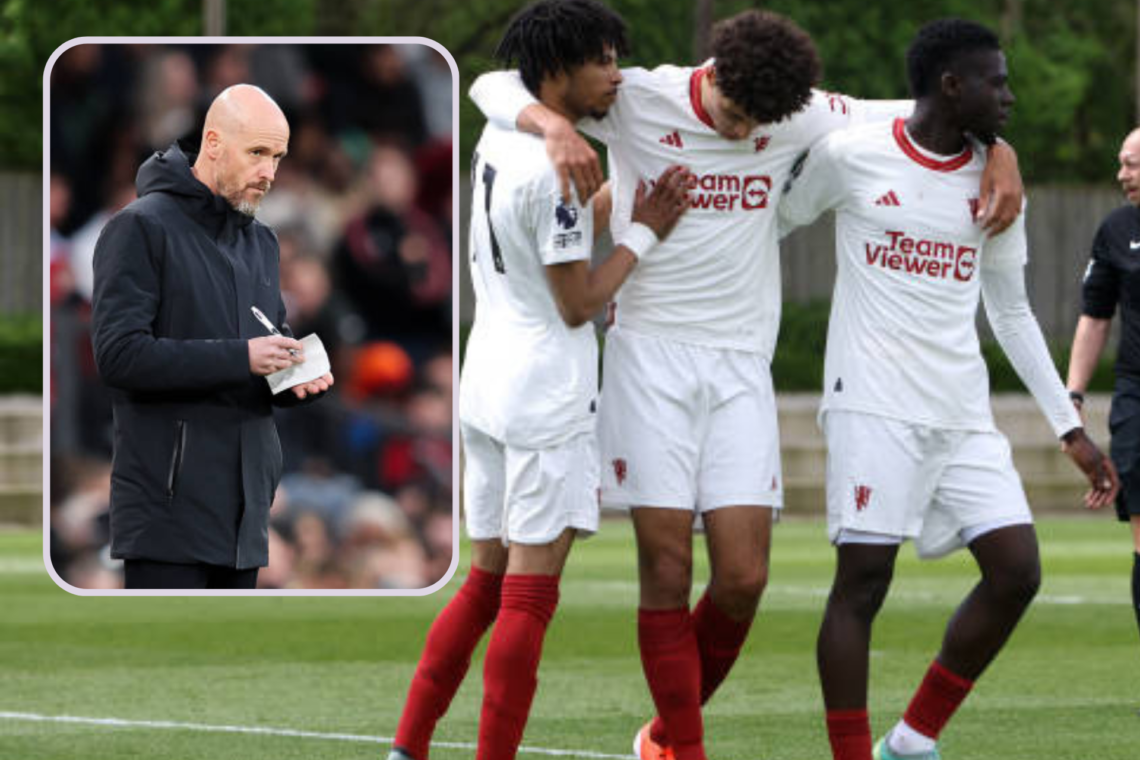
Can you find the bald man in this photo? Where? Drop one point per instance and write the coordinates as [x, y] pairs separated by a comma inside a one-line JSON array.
[[1112, 279], [179, 276]]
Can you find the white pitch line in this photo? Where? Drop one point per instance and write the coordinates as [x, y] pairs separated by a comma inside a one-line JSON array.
[[288, 732]]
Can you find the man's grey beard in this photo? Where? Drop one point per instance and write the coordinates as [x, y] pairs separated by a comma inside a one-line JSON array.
[[242, 206]]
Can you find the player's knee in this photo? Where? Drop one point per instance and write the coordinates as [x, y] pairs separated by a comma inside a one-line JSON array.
[[869, 600], [1018, 585], [668, 577], [863, 593], [742, 587]]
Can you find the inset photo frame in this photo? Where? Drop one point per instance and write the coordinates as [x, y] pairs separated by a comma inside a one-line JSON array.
[[209, 202]]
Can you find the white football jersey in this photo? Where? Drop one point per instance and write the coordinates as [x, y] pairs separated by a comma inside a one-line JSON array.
[[902, 340], [715, 281], [528, 379]]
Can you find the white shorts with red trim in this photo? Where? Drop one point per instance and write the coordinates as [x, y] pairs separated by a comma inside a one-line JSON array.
[[686, 426], [529, 496], [889, 480]]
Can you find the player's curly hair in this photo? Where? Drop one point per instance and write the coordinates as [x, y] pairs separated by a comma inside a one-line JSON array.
[[766, 64], [937, 46], [553, 36]]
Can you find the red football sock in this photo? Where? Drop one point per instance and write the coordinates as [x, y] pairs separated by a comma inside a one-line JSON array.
[[849, 732], [719, 641], [936, 700], [672, 665], [445, 659], [510, 670]]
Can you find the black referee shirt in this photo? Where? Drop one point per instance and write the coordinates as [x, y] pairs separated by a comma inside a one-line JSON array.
[[1113, 277]]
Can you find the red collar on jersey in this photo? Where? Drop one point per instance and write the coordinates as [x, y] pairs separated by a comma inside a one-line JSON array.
[[921, 159], [695, 97]]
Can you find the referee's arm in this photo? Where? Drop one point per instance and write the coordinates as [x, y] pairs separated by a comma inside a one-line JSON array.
[[1100, 293], [1088, 344]]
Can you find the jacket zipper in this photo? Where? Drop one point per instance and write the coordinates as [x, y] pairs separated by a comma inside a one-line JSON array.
[[176, 457]]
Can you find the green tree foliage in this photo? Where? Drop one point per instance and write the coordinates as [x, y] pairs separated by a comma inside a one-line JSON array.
[[31, 30], [1071, 68], [1071, 61], [1072, 65]]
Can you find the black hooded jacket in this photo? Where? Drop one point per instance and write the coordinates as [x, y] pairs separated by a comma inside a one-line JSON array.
[[196, 453]]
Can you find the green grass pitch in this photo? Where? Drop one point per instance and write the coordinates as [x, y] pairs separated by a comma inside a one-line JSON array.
[[1067, 687]]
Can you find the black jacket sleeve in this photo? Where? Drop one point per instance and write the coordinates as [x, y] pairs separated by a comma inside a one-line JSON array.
[[126, 302], [1101, 289]]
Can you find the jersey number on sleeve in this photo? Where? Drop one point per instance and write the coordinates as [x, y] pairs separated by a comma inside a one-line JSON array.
[[488, 186]]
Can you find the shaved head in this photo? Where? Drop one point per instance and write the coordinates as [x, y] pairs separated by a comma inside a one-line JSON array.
[[1131, 143], [243, 139], [243, 106]]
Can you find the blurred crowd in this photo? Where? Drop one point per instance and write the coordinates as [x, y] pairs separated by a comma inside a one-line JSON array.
[[362, 208]]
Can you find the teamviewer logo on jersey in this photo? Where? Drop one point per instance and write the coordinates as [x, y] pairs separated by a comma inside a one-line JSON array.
[[673, 140], [728, 192], [924, 257], [862, 497], [566, 216]]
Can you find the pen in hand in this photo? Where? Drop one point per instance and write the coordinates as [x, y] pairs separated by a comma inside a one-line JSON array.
[[257, 313]]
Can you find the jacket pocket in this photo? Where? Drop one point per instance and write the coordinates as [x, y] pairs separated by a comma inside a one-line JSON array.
[[278, 459], [176, 457]]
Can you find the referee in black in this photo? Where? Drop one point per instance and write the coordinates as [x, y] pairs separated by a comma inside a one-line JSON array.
[[1113, 277]]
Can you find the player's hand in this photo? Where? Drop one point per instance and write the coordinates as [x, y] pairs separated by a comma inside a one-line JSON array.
[[1096, 467], [574, 160], [273, 353], [1002, 192], [663, 206], [320, 385]]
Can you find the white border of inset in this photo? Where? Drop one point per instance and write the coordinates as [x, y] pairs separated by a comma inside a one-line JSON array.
[[46, 254]]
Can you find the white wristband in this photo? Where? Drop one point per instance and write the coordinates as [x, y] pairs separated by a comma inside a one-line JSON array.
[[639, 239]]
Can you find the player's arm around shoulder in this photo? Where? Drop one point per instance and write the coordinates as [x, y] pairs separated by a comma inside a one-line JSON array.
[[507, 103], [814, 184], [579, 291], [830, 112], [1002, 194]]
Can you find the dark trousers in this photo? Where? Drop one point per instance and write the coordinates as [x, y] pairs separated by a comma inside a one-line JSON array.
[[145, 573], [1124, 426]]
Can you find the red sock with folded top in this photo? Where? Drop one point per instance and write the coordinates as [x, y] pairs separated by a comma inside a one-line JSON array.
[[719, 641], [938, 696], [849, 732], [445, 659], [671, 660], [510, 671]]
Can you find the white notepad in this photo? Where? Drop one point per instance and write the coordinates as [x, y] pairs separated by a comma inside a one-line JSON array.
[[316, 365]]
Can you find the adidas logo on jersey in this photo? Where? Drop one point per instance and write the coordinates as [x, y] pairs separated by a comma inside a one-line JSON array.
[[673, 140], [890, 199]]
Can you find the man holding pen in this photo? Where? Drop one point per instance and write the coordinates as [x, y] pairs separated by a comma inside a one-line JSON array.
[[180, 276]]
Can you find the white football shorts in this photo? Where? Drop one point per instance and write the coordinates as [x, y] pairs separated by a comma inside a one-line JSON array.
[[686, 426], [889, 480], [529, 496]]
